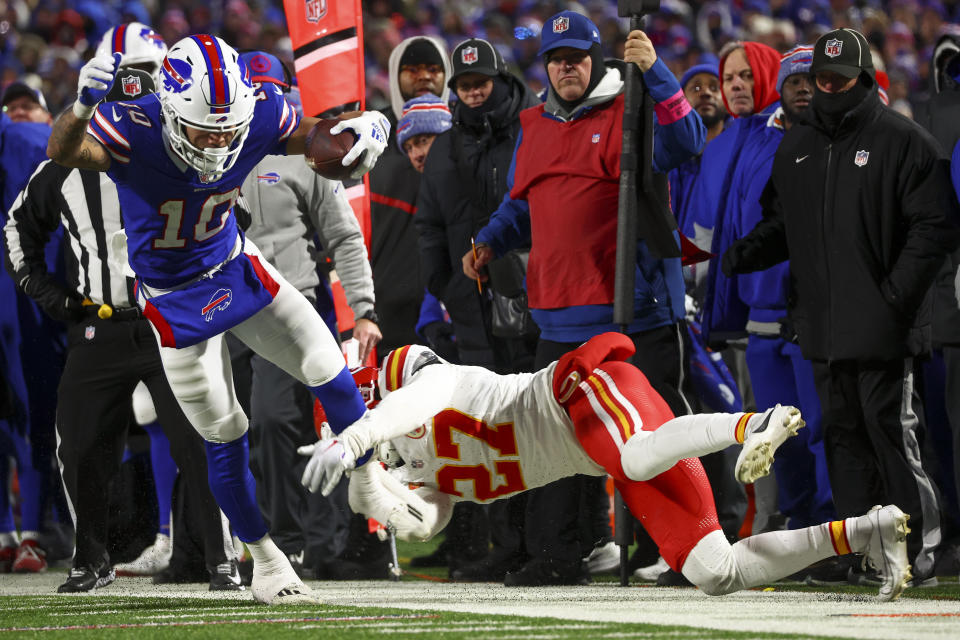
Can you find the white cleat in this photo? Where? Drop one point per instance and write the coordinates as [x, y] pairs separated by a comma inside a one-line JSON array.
[[283, 587], [153, 560], [652, 572], [775, 426], [887, 549]]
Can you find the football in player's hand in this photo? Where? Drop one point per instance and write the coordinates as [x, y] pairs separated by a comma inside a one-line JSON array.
[[325, 150]]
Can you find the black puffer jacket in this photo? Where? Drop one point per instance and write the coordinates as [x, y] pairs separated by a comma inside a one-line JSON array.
[[941, 117], [866, 217], [464, 180]]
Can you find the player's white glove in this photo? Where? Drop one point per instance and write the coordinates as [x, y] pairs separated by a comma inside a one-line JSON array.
[[96, 78], [372, 129], [413, 515], [328, 460]]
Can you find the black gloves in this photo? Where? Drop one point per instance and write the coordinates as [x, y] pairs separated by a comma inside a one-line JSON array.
[[55, 299], [731, 259]]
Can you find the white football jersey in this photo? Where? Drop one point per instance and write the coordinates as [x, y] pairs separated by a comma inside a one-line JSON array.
[[497, 436]]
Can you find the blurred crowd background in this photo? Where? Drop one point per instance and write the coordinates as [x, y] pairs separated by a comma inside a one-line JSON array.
[[47, 41]]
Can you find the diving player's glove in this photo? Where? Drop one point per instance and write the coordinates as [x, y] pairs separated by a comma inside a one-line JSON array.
[[328, 460], [96, 79], [372, 129]]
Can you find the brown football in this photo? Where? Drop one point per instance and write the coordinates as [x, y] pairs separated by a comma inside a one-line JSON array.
[[325, 151]]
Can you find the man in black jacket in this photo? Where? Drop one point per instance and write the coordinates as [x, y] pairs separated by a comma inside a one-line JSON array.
[[464, 179], [862, 205]]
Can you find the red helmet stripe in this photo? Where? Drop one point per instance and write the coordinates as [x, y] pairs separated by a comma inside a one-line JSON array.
[[119, 40], [216, 68]]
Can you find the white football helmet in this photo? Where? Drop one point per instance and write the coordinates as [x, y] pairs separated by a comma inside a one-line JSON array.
[[139, 45], [205, 85], [401, 364]]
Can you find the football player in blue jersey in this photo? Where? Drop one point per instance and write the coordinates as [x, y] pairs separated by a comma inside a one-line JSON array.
[[178, 159]]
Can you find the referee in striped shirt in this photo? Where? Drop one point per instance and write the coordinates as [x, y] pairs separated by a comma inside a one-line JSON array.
[[110, 349]]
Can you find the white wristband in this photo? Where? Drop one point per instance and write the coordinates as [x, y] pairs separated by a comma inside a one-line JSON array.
[[82, 111]]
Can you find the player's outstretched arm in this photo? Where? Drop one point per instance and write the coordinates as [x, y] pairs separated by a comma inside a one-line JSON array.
[[371, 128], [69, 144]]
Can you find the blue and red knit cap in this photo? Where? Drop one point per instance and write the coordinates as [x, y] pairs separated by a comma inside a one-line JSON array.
[[266, 67], [424, 114], [797, 60]]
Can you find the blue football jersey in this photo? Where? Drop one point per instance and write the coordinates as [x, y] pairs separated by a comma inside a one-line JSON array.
[[177, 225]]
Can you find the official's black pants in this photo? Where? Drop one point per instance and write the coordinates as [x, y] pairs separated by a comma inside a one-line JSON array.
[[873, 427], [105, 361]]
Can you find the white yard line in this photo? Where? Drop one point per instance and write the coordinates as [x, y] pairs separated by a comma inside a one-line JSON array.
[[796, 614]]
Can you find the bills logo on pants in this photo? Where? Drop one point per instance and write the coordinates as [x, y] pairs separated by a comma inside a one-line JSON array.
[[218, 302]]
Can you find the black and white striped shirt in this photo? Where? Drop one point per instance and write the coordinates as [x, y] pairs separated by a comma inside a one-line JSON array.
[[86, 203]]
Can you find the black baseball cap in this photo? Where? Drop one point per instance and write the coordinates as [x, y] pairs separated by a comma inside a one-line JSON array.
[[843, 51], [475, 56], [130, 84], [18, 89]]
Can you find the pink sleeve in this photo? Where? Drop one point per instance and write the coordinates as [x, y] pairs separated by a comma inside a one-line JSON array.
[[672, 109]]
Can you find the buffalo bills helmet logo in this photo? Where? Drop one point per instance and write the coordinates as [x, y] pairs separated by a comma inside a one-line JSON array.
[[833, 47], [176, 75], [861, 158], [469, 55], [561, 24], [131, 86], [316, 9], [152, 37], [218, 302]]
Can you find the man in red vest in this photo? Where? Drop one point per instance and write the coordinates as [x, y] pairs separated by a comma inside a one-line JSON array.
[[563, 192]]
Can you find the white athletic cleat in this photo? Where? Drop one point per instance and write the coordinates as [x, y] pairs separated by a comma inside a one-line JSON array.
[[153, 560], [773, 428], [282, 587], [887, 549], [651, 572], [603, 558]]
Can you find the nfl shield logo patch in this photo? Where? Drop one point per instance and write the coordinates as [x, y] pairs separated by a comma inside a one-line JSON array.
[[469, 55], [561, 24], [861, 158], [90, 332], [316, 9], [833, 47], [595, 138], [131, 86]]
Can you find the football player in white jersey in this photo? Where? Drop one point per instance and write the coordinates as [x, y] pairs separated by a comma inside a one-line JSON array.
[[464, 433], [178, 158]]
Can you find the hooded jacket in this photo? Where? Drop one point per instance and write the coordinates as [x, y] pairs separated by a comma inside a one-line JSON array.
[[463, 182], [941, 117], [724, 314], [563, 201], [393, 239], [866, 216]]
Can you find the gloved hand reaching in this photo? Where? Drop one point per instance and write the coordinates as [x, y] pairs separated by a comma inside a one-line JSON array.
[[328, 461], [96, 79], [372, 129]]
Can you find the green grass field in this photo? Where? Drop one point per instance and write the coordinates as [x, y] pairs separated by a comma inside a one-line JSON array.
[[424, 606]]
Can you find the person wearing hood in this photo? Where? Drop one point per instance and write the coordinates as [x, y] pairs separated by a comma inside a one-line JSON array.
[[417, 66], [748, 76], [778, 371], [941, 117], [563, 191], [860, 201], [465, 179]]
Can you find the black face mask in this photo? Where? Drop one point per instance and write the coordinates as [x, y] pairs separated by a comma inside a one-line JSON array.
[[597, 70], [498, 95], [832, 107]]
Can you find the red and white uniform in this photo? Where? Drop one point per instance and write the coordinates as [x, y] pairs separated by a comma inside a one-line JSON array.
[[496, 436], [479, 436]]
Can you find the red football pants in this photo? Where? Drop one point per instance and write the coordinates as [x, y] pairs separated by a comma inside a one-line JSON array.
[[676, 507]]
